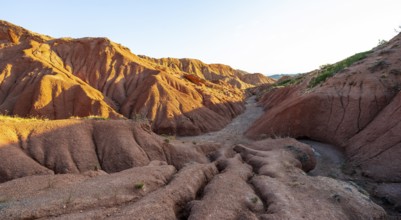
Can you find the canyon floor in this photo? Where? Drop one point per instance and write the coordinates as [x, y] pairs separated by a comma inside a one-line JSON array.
[[220, 175], [233, 132], [89, 130], [329, 157]]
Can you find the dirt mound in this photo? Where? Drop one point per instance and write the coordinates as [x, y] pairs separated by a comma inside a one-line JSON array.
[[265, 180], [97, 168], [355, 109], [78, 146], [60, 78], [289, 194]]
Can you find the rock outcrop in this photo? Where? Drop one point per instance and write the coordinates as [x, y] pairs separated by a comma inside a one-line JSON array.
[[358, 109], [264, 180], [105, 166], [61, 78], [37, 147], [214, 72]]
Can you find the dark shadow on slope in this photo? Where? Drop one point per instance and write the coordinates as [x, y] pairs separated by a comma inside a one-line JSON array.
[[77, 146]]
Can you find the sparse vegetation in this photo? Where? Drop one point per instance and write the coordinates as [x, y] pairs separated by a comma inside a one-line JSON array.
[[17, 118], [333, 175], [168, 138], [3, 200], [359, 188], [96, 168], [329, 70], [139, 185], [138, 117], [381, 42], [291, 80], [90, 117], [254, 199], [69, 199], [295, 184], [284, 82], [378, 65], [398, 30], [95, 117], [194, 142], [50, 183]]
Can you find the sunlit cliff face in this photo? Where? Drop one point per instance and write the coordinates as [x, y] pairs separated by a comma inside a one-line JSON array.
[[61, 78]]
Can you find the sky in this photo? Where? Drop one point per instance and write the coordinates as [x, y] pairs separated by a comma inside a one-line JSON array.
[[265, 36]]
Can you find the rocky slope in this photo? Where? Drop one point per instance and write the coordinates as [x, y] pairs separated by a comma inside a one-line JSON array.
[[214, 72], [60, 78], [37, 147], [356, 109], [120, 169], [97, 168]]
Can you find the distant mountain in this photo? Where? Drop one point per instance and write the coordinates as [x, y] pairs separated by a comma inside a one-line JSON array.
[[59, 78], [213, 72], [278, 76]]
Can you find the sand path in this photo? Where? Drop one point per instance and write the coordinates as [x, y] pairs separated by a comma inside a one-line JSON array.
[[329, 158], [233, 132]]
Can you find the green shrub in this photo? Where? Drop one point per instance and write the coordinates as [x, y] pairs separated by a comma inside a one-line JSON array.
[[329, 70], [3, 200], [17, 118], [292, 80], [95, 117], [381, 42], [284, 82], [139, 185]]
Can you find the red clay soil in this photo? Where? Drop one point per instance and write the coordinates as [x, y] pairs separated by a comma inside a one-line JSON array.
[[357, 109], [60, 78], [263, 180], [120, 169], [214, 72], [36, 147]]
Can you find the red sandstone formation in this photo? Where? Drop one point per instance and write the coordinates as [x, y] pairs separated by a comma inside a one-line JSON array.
[[264, 180], [357, 109], [60, 78], [121, 169], [36, 147], [214, 72]]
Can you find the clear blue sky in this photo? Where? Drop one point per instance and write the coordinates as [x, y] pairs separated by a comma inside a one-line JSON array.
[[281, 36]]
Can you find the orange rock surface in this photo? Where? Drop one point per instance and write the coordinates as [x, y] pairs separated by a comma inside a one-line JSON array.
[[60, 78]]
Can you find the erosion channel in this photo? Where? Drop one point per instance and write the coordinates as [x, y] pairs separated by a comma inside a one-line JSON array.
[[219, 175]]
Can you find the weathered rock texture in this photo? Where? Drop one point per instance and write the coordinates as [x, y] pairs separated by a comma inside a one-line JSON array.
[[265, 180], [96, 169], [60, 78], [214, 72], [32, 147], [357, 109]]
